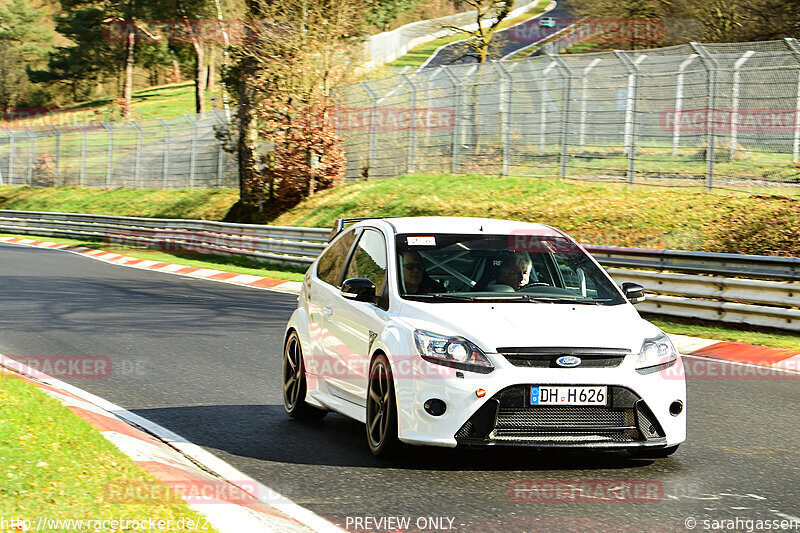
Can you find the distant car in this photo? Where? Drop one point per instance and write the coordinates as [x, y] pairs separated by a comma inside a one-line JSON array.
[[474, 332], [548, 22]]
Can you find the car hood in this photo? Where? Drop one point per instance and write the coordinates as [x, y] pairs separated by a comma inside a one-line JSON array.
[[493, 325]]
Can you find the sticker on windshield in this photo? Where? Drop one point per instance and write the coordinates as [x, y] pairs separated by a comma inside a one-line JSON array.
[[421, 241]]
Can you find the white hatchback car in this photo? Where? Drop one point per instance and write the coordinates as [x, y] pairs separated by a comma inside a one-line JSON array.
[[473, 332]]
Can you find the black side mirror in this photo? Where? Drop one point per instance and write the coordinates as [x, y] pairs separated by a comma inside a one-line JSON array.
[[633, 292], [359, 289]]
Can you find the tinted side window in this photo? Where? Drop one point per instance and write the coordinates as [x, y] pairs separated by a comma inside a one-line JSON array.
[[369, 260], [331, 263]]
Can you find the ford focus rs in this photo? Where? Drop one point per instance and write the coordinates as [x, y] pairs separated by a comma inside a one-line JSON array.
[[479, 332]]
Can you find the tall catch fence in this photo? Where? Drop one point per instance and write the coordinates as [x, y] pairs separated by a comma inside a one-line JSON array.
[[179, 152], [718, 115]]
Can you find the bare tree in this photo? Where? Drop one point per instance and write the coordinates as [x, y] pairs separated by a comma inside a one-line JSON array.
[[489, 14]]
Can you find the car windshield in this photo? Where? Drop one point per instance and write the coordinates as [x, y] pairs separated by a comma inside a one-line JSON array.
[[479, 268]]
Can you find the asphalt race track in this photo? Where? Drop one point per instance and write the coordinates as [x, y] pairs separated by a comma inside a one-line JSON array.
[[204, 360]]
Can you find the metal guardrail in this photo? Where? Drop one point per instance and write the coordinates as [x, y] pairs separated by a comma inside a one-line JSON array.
[[710, 286]]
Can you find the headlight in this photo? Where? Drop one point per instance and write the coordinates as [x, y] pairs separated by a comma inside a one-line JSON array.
[[455, 352], [656, 351]]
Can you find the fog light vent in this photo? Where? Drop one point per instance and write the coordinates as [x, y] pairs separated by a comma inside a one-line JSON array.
[[435, 407]]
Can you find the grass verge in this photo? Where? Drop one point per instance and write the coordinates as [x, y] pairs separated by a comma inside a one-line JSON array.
[[228, 263], [58, 466], [746, 334]]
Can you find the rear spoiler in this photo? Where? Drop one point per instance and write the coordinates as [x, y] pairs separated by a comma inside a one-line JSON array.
[[338, 226]]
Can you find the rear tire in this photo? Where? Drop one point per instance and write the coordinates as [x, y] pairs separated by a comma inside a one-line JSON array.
[[381, 409], [294, 382], [650, 453]]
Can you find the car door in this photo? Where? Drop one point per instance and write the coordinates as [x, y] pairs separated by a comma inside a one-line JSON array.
[[322, 293], [356, 324]]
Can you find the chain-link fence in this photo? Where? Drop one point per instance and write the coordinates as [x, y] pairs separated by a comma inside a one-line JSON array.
[[179, 152], [719, 115]]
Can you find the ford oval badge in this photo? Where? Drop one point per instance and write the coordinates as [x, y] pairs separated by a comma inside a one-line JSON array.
[[568, 361]]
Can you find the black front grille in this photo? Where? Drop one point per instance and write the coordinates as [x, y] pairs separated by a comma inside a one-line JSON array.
[[509, 417], [547, 357]]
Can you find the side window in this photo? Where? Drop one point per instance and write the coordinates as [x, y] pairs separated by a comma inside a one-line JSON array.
[[369, 259], [331, 263]]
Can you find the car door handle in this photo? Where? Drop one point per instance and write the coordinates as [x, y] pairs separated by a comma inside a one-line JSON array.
[[329, 310]]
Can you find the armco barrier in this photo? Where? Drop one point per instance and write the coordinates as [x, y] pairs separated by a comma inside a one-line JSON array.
[[758, 290]]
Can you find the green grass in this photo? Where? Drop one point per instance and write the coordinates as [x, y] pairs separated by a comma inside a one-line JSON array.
[[201, 204], [58, 466], [698, 328], [227, 263], [420, 53]]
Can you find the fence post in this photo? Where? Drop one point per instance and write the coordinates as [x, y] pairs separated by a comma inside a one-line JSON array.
[[138, 162], [456, 116], [193, 155], [735, 97], [676, 127], [31, 142], [505, 112], [412, 126], [372, 119], [795, 48], [543, 113], [221, 149], [166, 152], [109, 161], [57, 133], [710, 65], [566, 73], [83, 155], [10, 156], [584, 91], [630, 109]]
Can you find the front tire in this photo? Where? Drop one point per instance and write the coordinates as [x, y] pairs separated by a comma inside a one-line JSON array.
[[294, 382], [381, 409]]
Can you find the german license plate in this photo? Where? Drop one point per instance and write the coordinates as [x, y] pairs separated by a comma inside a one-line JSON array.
[[546, 395]]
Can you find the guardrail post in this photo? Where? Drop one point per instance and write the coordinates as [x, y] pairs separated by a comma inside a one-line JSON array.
[[31, 142], [630, 109], [372, 120], [676, 127], [10, 156], [138, 161], [110, 159], [83, 155], [566, 73], [456, 82], [584, 92], [711, 69], [735, 99], [795, 48], [168, 132], [193, 155], [412, 126], [505, 112], [57, 133]]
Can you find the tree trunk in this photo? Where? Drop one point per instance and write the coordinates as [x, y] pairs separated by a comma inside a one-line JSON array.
[[176, 71], [210, 79], [199, 79], [248, 134], [127, 90]]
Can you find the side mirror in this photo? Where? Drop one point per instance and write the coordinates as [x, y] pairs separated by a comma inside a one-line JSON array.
[[359, 289], [633, 292]]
